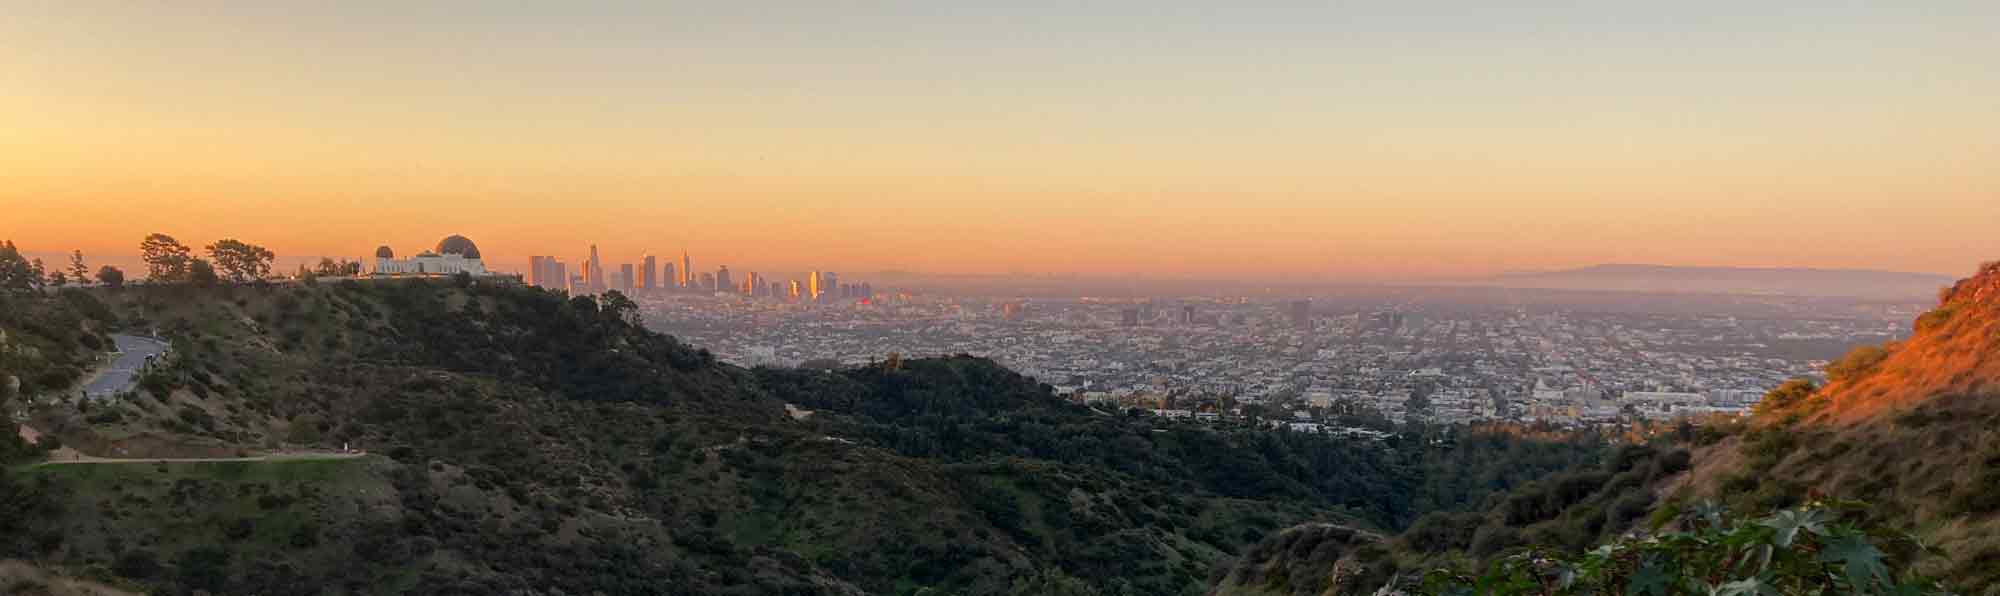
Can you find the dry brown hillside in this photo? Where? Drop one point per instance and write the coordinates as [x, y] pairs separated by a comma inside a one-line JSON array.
[[1909, 427]]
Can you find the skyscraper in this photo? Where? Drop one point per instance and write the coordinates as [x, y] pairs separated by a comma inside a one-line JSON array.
[[536, 265], [814, 285], [722, 282], [795, 292], [649, 273], [687, 270], [670, 278], [751, 284], [593, 274], [707, 283], [1301, 313], [625, 278]]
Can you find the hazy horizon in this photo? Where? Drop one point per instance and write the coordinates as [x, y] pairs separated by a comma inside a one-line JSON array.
[[1374, 140]]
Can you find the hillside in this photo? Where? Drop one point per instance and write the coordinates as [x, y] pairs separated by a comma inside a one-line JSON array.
[[1906, 428], [525, 442]]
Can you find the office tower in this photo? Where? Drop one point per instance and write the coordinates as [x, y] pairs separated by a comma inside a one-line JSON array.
[[776, 290], [551, 274], [813, 285], [649, 273], [669, 277], [594, 274], [722, 282], [1129, 317], [625, 278], [794, 292], [1302, 313], [829, 283], [1187, 314], [750, 284], [535, 267], [867, 291], [707, 282], [687, 270]]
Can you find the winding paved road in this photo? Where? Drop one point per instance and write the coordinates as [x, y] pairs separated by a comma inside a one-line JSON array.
[[133, 351]]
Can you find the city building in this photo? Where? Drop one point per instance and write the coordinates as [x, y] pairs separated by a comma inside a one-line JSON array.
[[537, 266], [649, 273], [594, 272], [625, 280], [687, 270]]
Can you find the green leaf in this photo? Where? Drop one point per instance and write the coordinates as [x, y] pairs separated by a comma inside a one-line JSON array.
[[1859, 560], [1789, 522], [1649, 579]]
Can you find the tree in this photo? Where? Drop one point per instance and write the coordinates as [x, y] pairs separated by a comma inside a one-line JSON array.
[[16, 274], [41, 275], [77, 270], [328, 268], [58, 279], [167, 260], [201, 273], [111, 277], [621, 307], [241, 261]]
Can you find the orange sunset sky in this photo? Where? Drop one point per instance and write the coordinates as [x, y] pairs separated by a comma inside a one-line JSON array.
[[1362, 140]]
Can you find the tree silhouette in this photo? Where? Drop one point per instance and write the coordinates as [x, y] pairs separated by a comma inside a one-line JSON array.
[[111, 277], [167, 260], [77, 270], [240, 261], [16, 274]]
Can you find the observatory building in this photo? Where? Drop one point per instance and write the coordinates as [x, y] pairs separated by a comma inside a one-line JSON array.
[[453, 255]]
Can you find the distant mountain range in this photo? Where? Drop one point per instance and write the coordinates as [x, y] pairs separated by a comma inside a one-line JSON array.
[[1857, 283]]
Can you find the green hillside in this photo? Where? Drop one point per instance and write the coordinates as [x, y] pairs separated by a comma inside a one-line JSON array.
[[526, 442]]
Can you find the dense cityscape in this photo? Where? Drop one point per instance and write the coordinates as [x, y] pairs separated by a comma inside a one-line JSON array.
[[1307, 361]]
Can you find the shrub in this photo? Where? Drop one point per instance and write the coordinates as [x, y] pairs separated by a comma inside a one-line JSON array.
[[1857, 363], [1820, 548]]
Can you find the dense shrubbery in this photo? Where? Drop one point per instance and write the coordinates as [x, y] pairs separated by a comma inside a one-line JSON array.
[[1819, 548], [51, 339], [966, 409]]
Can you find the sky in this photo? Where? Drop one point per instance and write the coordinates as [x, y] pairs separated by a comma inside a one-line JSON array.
[[1164, 138]]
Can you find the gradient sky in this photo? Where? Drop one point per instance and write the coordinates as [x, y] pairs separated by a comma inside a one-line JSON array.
[[1163, 138]]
